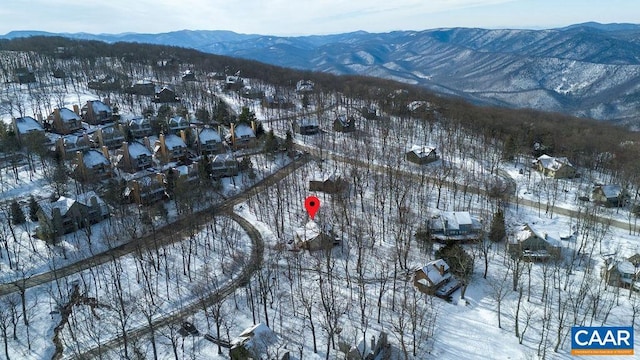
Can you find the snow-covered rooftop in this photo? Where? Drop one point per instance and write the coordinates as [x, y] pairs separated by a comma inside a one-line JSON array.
[[243, 130], [68, 115], [422, 150], [136, 149], [437, 271], [553, 163], [93, 158], [26, 124], [208, 134]]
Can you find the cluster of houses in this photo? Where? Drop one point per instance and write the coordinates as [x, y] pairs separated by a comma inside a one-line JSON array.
[[99, 146]]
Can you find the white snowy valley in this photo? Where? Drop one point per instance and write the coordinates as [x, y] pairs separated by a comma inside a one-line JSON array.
[[229, 265]]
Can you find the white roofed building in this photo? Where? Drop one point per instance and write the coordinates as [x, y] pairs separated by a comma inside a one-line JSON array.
[[454, 226], [421, 154], [435, 278], [70, 214], [555, 167]]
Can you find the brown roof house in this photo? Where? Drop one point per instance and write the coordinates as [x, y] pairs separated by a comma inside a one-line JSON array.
[[330, 185], [612, 195], [306, 126], [96, 112], [559, 168], [92, 165], [532, 243], [64, 121], [133, 157], [435, 278], [621, 274], [421, 154], [68, 215]]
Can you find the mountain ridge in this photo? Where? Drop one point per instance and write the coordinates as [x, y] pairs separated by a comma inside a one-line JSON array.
[[588, 69]]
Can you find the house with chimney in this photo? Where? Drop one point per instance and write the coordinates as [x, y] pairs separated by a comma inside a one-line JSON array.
[[313, 237], [533, 243], [23, 126], [170, 148], [92, 165], [96, 112], [421, 154], [242, 135], [140, 127], [68, 214], [145, 187], [555, 167], [68, 145], [133, 157], [435, 278], [209, 141], [64, 121], [109, 136]]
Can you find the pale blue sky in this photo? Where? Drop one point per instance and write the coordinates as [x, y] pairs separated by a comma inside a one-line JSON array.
[[305, 17]]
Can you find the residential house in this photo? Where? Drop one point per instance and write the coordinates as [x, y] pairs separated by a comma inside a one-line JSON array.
[[532, 243], [421, 154], [92, 165], [330, 185], [223, 165], [109, 136], [68, 145], [369, 112], [234, 82], [306, 126], [435, 278], [555, 167], [621, 274], [25, 75], [145, 187], [454, 226], [170, 148], [165, 95], [133, 157], [304, 86], [140, 127], [177, 124], [187, 174], [67, 215], [23, 126], [242, 135], [311, 237], [188, 76], [209, 141], [276, 102], [257, 342], [612, 195], [344, 123], [142, 87], [96, 112], [370, 349], [64, 121]]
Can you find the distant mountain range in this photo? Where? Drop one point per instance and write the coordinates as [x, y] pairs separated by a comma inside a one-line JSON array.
[[590, 69]]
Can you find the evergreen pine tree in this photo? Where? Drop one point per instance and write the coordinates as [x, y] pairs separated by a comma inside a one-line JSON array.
[[17, 215], [497, 232], [33, 209]]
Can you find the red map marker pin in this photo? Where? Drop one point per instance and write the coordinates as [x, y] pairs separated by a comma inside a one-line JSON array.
[[312, 204]]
